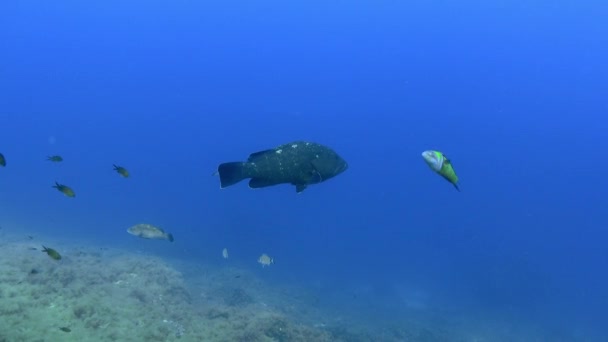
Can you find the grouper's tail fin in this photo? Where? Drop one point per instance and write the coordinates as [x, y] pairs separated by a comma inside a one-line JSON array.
[[231, 173]]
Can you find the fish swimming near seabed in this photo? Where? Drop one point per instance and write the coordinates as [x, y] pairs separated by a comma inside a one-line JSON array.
[[148, 231], [53, 254], [265, 260], [299, 163]]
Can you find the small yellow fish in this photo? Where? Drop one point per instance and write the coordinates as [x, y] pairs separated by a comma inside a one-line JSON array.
[[54, 159], [265, 260], [121, 171], [52, 253], [2, 160], [66, 190], [225, 253]]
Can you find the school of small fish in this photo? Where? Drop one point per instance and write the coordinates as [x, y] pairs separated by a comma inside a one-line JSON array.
[[298, 163]]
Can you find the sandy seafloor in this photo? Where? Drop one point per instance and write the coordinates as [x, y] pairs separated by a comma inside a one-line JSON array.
[[111, 294]]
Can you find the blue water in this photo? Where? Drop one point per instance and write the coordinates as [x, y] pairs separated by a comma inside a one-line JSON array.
[[514, 92]]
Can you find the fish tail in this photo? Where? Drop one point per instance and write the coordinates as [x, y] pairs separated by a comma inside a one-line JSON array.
[[170, 237], [456, 186], [231, 173]]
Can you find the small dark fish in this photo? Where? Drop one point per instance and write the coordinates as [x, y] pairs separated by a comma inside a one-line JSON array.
[[33, 248], [65, 329], [299, 163], [52, 253], [55, 159], [30, 237], [66, 190], [121, 171], [34, 271], [2, 160]]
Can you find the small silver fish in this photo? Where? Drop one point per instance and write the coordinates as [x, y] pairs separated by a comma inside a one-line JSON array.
[[265, 260], [148, 231]]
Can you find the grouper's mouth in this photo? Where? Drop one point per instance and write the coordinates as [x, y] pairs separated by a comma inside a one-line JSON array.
[[341, 168]]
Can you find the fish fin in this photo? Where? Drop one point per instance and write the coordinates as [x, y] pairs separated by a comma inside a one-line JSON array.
[[231, 173], [449, 180], [256, 155], [256, 183], [300, 187], [315, 175], [447, 161], [170, 237]]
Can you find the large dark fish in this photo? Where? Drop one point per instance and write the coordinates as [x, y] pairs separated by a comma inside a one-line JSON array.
[[299, 163]]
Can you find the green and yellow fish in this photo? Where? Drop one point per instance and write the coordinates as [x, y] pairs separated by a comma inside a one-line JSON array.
[[54, 159], [66, 190], [439, 163], [121, 171], [51, 253], [2, 160]]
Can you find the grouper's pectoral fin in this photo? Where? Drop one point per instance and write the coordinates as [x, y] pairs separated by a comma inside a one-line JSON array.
[[315, 175], [300, 187]]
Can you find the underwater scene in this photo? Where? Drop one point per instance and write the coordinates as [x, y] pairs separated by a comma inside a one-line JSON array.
[[275, 171]]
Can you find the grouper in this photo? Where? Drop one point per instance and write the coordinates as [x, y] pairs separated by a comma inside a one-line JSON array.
[[148, 231], [299, 163]]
